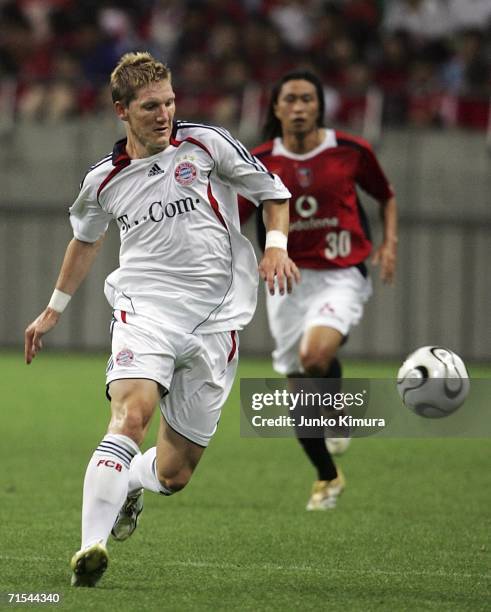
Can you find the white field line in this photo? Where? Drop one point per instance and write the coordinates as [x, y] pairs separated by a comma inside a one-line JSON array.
[[275, 568]]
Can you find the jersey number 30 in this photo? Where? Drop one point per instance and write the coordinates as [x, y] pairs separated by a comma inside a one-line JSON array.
[[338, 244]]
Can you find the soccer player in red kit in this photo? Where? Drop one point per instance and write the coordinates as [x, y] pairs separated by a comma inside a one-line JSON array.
[[329, 240]]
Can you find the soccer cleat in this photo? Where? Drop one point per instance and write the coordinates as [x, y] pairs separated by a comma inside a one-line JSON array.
[[337, 446], [127, 520], [325, 493], [88, 565]]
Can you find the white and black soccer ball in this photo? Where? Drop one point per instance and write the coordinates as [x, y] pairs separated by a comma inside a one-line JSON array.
[[433, 382], [337, 446]]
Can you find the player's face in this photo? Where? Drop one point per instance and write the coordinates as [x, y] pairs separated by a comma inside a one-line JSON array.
[[149, 117], [297, 107]]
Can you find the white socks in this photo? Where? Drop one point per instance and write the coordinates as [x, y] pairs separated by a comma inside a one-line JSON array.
[[142, 474], [106, 487], [115, 469]]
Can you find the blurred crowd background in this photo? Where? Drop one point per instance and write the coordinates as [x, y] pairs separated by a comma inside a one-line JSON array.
[[413, 62], [411, 76]]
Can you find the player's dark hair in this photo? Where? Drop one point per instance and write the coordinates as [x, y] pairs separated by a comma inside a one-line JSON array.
[[272, 125]]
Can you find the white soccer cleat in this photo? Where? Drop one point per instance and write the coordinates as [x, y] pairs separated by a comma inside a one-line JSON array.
[[325, 493], [337, 446], [88, 565], [127, 520]]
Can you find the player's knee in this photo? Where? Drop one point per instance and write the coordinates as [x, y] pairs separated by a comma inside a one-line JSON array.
[[315, 361]]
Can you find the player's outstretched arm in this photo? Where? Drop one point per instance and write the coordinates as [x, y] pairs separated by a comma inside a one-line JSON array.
[[275, 262], [78, 260], [386, 254]]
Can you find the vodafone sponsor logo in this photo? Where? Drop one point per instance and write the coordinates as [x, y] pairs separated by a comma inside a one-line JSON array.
[[306, 206], [313, 224]]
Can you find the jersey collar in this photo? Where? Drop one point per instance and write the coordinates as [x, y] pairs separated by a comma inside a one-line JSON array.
[[119, 155], [328, 142]]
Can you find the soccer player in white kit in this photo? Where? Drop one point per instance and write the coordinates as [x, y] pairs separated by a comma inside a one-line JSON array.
[[187, 281]]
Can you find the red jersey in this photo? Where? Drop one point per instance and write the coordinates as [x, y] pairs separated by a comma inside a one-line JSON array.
[[328, 226]]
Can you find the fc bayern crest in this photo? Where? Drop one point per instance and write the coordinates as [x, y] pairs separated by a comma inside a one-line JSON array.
[[185, 173], [304, 177], [125, 357]]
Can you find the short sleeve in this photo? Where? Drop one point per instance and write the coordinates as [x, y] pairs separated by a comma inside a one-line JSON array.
[[89, 221], [371, 177], [244, 172]]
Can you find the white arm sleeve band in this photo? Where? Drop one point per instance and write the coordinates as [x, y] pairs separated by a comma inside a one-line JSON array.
[[59, 300], [277, 239]]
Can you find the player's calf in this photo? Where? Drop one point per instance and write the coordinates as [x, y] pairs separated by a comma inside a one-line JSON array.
[[145, 474], [173, 482]]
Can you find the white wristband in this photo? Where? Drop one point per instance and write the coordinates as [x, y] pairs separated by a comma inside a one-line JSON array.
[[277, 239], [59, 300]]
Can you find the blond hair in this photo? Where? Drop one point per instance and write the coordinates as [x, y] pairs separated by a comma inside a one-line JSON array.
[[135, 70]]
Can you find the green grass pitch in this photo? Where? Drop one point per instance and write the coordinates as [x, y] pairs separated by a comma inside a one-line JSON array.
[[411, 532]]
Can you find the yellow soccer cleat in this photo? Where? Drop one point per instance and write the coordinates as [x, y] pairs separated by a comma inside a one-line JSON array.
[[88, 565], [325, 493]]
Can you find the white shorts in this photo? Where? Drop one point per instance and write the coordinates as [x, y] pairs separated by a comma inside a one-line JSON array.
[[197, 370], [330, 298]]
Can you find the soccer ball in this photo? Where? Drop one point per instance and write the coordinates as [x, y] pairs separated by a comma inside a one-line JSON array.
[[337, 446], [433, 382]]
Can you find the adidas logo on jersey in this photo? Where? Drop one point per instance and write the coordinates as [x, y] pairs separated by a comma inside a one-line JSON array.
[[155, 169]]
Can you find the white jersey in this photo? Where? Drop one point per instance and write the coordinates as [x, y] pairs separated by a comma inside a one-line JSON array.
[[183, 259]]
